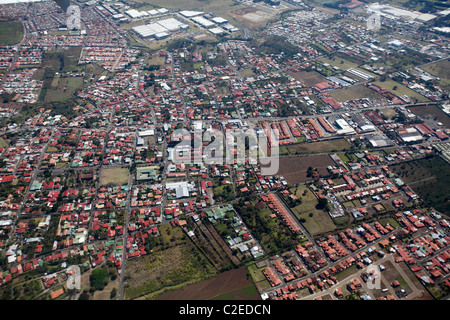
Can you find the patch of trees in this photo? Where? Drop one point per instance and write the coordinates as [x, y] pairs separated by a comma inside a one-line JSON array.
[[99, 279], [323, 204], [278, 239], [277, 45]]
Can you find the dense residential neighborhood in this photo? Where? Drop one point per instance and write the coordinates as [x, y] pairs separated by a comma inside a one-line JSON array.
[[114, 133]]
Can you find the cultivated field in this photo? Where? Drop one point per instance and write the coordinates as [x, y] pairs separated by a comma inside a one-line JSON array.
[[294, 169], [432, 112], [229, 285], [309, 78]]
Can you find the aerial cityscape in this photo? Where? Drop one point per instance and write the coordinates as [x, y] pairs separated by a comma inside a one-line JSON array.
[[224, 150]]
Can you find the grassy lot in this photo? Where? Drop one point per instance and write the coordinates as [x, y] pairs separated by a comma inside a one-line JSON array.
[[391, 274], [355, 92], [315, 221], [63, 88], [10, 33], [3, 143], [319, 146], [310, 78], [344, 64], [295, 168], [430, 178], [174, 263], [157, 60], [391, 221], [389, 113], [401, 90], [256, 273], [440, 69], [343, 157], [116, 176]]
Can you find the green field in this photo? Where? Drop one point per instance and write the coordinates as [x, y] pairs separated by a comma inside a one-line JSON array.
[[63, 88], [441, 70], [116, 176], [401, 90], [3, 143], [355, 92], [430, 179], [174, 263], [345, 64], [10, 33], [314, 220]]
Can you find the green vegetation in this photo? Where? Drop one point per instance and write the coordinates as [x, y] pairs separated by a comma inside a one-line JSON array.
[[173, 263], [222, 192], [314, 219], [99, 279], [116, 176], [272, 233], [441, 70], [430, 178], [276, 45], [10, 33], [400, 91]]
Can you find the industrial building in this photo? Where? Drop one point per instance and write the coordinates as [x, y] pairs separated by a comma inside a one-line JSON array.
[[160, 29], [190, 14], [344, 127], [359, 74], [203, 22]]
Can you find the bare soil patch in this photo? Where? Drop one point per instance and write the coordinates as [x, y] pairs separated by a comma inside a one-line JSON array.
[[294, 169], [225, 282]]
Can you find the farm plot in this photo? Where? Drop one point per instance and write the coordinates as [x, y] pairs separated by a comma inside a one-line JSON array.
[[295, 169], [319, 146], [431, 114], [355, 92], [309, 78]]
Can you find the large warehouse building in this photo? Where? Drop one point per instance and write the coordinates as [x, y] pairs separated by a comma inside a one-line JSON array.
[[160, 29]]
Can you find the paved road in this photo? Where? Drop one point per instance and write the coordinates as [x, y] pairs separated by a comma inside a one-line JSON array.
[[416, 293]]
